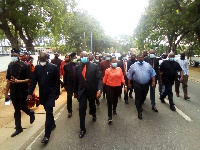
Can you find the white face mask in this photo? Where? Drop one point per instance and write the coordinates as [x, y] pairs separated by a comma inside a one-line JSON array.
[[43, 63], [14, 59]]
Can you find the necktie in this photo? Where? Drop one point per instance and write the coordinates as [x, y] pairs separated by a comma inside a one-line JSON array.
[[84, 71]]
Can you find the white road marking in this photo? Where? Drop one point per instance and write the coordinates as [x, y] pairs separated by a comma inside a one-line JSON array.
[[56, 117], [180, 112]]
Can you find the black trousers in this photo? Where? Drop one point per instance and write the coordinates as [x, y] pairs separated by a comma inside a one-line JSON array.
[[112, 98], [69, 89], [83, 107], [141, 91], [49, 121], [20, 104], [126, 93]]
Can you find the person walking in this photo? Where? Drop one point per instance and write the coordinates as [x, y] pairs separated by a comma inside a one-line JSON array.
[[167, 75], [154, 62], [88, 86], [18, 77], [142, 74], [113, 79], [47, 76], [183, 62], [68, 78]]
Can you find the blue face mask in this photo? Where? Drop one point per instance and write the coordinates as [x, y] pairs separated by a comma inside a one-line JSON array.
[[114, 65], [140, 62], [152, 55], [124, 58], [171, 59], [14, 59], [84, 59], [107, 58]]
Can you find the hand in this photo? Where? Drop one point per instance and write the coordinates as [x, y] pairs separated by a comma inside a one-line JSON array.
[[129, 86], [29, 97], [98, 95], [7, 96], [153, 83], [14, 80], [181, 79], [125, 89]]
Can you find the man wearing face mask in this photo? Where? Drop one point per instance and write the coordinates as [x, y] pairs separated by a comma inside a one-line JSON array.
[[88, 86], [154, 62], [105, 64], [141, 73], [167, 75], [18, 77], [183, 62], [47, 76]]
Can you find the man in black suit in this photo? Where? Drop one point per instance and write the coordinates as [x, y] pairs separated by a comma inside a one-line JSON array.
[[88, 85], [47, 75]]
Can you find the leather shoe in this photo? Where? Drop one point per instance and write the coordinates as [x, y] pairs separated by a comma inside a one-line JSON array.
[[155, 109], [177, 94], [173, 108], [130, 95], [45, 140], [114, 113], [32, 118], [187, 98], [82, 133], [126, 101], [109, 120], [140, 115], [69, 115], [17, 132], [98, 103], [94, 119], [53, 127], [163, 101]]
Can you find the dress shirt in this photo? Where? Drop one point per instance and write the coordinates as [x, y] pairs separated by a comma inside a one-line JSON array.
[[141, 73], [184, 66]]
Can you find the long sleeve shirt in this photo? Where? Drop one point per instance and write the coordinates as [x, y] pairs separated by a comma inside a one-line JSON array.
[[141, 73], [113, 77]]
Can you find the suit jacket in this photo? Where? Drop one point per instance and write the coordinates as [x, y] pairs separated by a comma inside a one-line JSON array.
[[93, 81], [48, 79]]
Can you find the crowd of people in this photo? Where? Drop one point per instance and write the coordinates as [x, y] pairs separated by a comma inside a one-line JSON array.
[[88, 76]]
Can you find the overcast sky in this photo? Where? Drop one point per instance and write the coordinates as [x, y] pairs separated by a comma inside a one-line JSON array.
[[116, 16]]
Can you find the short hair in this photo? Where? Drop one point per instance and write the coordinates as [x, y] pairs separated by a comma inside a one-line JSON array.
[[113, 57]]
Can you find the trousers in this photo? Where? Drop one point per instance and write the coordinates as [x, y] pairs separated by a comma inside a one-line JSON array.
[[49, 121], [184, 85]]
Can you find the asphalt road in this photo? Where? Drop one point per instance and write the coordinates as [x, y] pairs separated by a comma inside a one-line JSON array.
[[165, 130]]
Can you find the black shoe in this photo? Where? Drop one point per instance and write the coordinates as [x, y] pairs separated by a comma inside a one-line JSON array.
[[98, 103], [130, 95], [103, 95], [32, 118], [186, 98], [69, 115], [94, 119], [173, 108], [17, 132], [126, 101], [45, 140], [109, 120], [82, 133], [155, 109], [114, 113], [162, 101], [140, 115], [53, 127]]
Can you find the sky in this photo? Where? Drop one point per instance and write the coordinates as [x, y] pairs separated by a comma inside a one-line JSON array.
[[116, 16]]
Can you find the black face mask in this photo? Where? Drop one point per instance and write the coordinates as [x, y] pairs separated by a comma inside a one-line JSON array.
[[56, 57], [182, 57], [67, 60]]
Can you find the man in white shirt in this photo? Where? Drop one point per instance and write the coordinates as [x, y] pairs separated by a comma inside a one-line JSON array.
[[184, 65]]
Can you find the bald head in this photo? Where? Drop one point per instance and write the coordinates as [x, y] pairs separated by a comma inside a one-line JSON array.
[[43, 57], [152, 51]]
